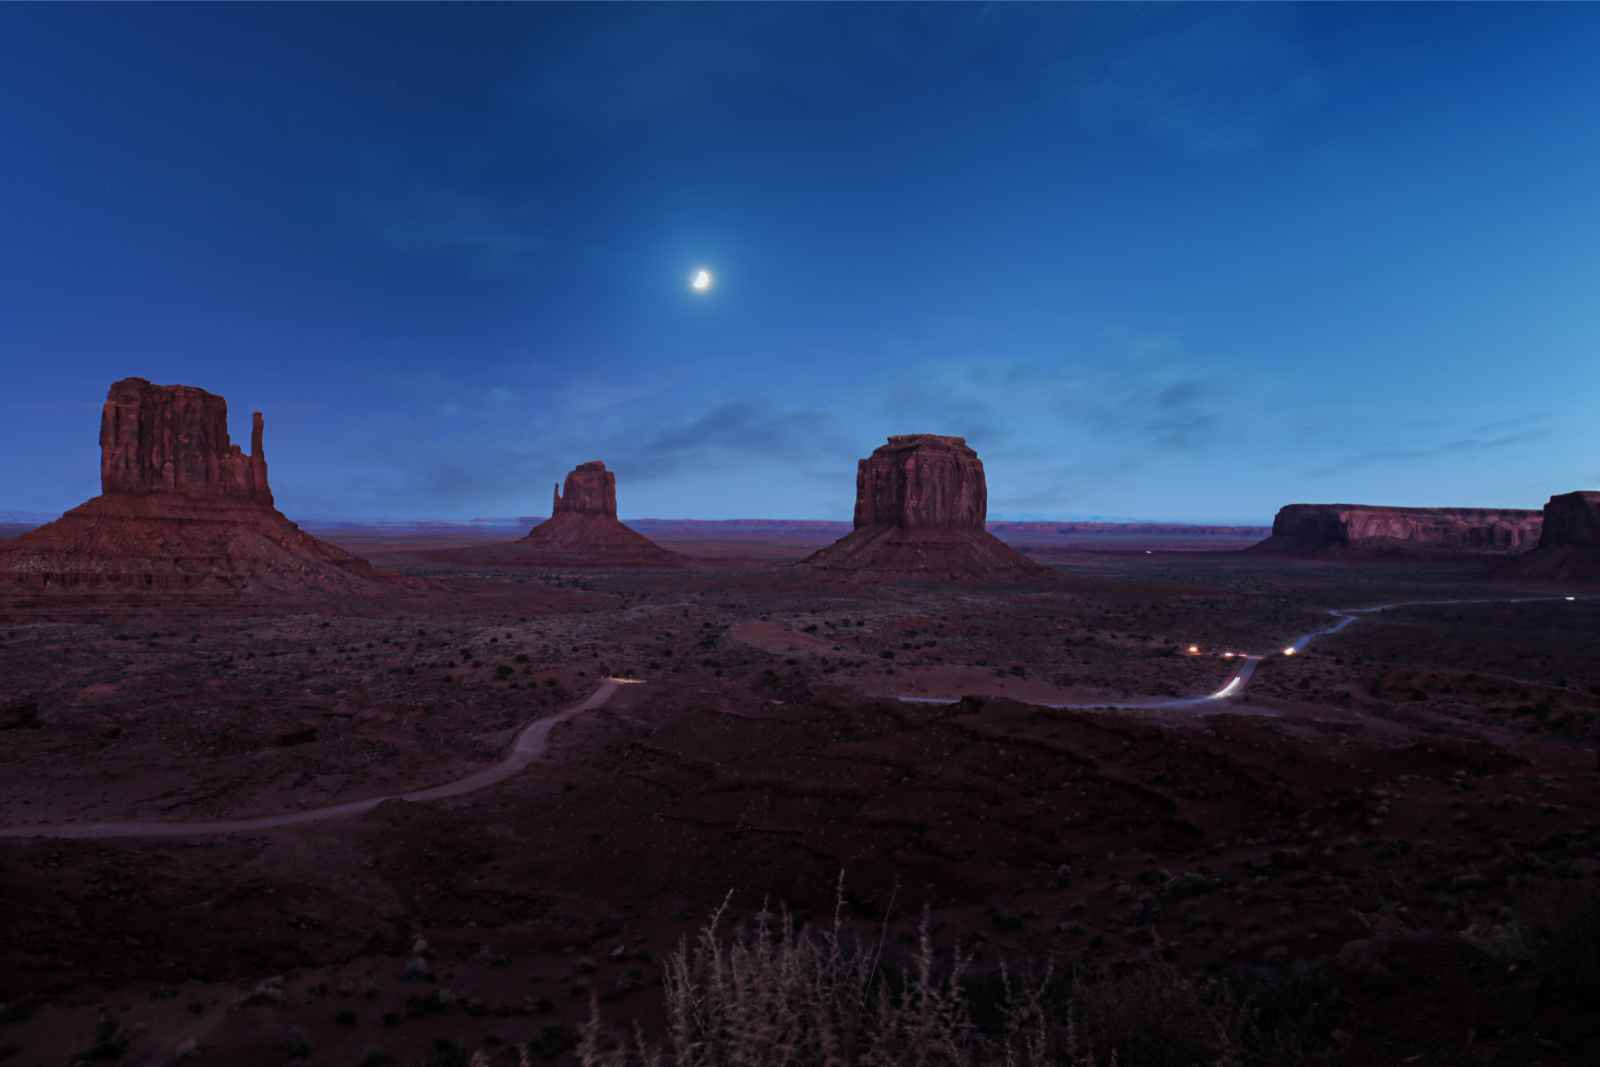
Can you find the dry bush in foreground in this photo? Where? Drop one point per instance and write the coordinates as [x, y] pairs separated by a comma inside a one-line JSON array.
[[774, 996]]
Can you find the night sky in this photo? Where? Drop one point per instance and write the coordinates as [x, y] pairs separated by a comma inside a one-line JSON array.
[[1153, 262]]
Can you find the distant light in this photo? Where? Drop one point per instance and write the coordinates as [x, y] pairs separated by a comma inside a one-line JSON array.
[[702, 280], [1148, 552], [1194, 650], [1227, 655], [1289, 651], [1572, 598]]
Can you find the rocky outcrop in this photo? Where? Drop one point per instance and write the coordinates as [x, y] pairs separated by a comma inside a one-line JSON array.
[[582, 531], [174, 439], [922, 481], [590, 490], [921, 502], [1569, 544], [1359, 528], [1572, 519], [182, 508]]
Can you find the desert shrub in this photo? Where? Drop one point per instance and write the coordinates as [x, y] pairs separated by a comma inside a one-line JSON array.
[[1567, 945], [447, 1053], [771, 995], [1154, 1015]]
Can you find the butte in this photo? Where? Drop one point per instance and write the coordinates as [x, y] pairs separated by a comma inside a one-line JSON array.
[[181, 508], [921, 502], [582, 531], [1569, 542]]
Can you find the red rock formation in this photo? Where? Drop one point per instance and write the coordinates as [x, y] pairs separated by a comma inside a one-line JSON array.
[[174, 439], [181, 508], [922, 481], [921, 502], [582, 531], [1316, 528], [1572, 519], [1569, 544], [590, 490]]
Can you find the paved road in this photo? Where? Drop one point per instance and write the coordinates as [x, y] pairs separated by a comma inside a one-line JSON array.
[[531, 744], [1247, 670]]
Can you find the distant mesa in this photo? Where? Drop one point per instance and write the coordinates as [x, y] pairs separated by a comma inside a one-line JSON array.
[[1316, 529], [1569, 544], [583, 529], [921, 502], [180, 508]]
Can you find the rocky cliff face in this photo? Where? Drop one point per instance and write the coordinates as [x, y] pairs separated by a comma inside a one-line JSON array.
[[174, 439], [1358, 527], [589, 490], [1569, 544], [921, 501], [1572, 519], [182, 508], [922, 481]]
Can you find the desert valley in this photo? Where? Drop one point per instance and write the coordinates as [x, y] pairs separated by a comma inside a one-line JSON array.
[[799, 535], [389, 794]]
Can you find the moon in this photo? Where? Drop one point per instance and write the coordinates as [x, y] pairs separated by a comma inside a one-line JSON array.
[[701, 282]]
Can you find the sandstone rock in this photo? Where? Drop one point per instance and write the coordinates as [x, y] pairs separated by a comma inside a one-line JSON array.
[[1572, 519], [1569, 544], [174, 439], [590, 490], [922, 481], [182, 508], [921, 502], [582, 531], [1316, 528]]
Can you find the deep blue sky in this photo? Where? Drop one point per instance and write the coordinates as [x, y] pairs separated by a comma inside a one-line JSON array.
[[1161, 262]]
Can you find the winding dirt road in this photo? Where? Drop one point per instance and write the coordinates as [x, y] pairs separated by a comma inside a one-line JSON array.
[[531, 743], [1247, 670], [533, 740]]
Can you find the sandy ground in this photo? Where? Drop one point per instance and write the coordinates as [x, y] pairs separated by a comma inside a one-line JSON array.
[[1433, 765]]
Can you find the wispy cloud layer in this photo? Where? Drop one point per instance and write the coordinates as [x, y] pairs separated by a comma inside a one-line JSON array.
[[1480, 441]]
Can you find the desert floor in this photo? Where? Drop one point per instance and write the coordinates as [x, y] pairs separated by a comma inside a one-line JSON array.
[[1426, 772]]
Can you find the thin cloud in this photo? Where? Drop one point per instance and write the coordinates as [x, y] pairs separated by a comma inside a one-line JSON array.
[[754, 432], [1412, 455], [438, 219]]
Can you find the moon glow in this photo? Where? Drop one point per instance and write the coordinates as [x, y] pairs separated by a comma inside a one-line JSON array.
[[701, 281]]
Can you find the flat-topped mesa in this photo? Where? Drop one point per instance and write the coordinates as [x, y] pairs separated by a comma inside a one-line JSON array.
[[921, 502], [174, 439], [922, 480], [1569, 543], [1361, 527], [590, 490], [1572, 519]]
